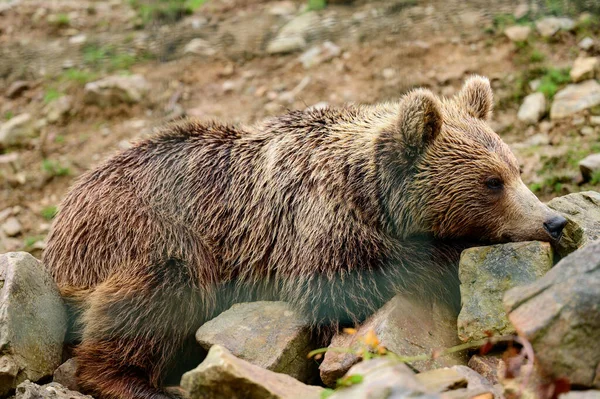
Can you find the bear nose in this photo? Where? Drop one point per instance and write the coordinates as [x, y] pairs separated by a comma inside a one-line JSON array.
[[555, 225]]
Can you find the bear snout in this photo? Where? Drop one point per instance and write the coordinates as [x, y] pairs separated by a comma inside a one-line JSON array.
[[554, 226]]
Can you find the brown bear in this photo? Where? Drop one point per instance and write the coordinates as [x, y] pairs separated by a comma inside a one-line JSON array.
[[333, 210]]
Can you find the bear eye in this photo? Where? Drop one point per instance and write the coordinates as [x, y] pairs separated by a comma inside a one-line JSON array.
[[494, 183]]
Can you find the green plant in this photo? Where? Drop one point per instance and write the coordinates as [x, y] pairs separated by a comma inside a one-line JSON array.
[[552, 80], [53, 168], [8, 115], [61, 20], [49, 212], [164, 11], [536, 56], [107, 57], [79, 76], [595, 179], [29, 241], [315, 5], [52, 94]]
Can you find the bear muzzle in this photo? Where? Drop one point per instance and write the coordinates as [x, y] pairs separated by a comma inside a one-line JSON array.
[[554, 226]]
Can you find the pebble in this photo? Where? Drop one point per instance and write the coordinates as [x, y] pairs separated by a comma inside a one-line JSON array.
[[12, 226]]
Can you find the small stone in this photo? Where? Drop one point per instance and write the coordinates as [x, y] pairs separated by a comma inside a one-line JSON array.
[[486, 273], [65, 375], [582, 211], [116, 89], [15, 130], [595, 120], [586, 43], [547, 27], [538, 139], [533, 108], [223, 376], [200, 47], [17, 88], [292, 36], [53, 390], [319, 54], [575, 98], [78, 39], [12, 227], [517, 33], [587, 131], [546, 126], [535, 84], [244, 328], [383, 378], [589, 166], [521, 10], [584, 69], [389, 73], [282, 8], [59, 109], [558, 314], [490, 367]]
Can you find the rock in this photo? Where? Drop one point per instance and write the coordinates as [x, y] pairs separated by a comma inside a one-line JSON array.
[[535, 84], [383, 378], [521, 10], [15, 130], [586, 43], [29, 390], [32, 321], [12, 227], [58, 109], [584, 68], [282, 8], [533, 108], [200, 47], [582, 211], [17, 88], [406, 327], [559, 316], [575, 98], [486, 273], [319, 54], [65, 375], [457, 382], [116, 89], [489, 367], [245, 328], [223, 376], [595, 120], [581, 395], [78, 39], [547, 27], [538, 139], [293, 35], [587, 131], [518, 33]]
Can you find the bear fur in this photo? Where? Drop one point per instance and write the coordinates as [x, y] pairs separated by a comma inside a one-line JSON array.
[[333, 210]]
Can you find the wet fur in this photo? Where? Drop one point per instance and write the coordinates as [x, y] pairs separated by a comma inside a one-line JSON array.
[[325, 209]]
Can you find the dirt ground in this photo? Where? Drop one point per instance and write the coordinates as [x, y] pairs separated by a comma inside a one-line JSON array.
[[385, 48]]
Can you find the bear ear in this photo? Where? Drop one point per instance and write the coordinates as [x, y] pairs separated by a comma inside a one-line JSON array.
[[477, 97], [420, 121]]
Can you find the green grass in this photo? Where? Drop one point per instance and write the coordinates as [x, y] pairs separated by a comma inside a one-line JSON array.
[[54, 168], [315, 5], [164, 11], [61, 20], [49, 212], [52, 94], [553, 80], [106, 57], [29, 241], [8, 115], [78, 76]]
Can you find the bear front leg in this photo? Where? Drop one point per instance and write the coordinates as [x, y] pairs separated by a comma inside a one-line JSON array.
[[133, 325]]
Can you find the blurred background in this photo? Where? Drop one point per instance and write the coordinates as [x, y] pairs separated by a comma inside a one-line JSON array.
[[80, 79]]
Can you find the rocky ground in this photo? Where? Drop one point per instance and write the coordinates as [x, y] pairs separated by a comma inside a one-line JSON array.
[[80, 79]]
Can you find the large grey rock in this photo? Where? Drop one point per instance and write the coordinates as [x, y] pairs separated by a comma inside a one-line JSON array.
[[117, 89], [223, 376], [486, 273], [575, 98], [383, 378], [406, 327], [293, 36], [267, 334], [548, 27], [16, 130], [533, 108], [559, 314], [589, 166], [582, 211], [584, 68], [33, 321], [29, 390]]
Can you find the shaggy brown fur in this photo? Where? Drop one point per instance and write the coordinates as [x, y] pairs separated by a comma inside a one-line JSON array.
[[332, 210]]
